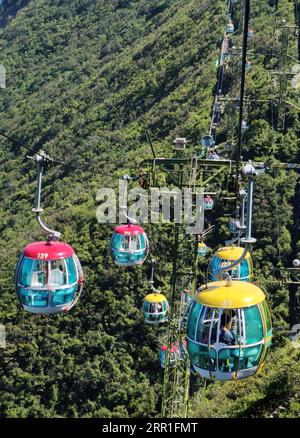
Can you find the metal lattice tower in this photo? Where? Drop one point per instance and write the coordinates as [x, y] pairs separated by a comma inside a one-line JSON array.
[[176, 384]]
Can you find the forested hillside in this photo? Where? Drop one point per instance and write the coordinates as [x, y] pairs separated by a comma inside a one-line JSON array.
[[84, 79]]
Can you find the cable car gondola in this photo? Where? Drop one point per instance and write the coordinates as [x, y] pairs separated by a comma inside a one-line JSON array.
[[230, 27], [234, 226], [155, 308], [208, 203], [207, 141], [245, 126], [129, 245], [225, 257], [48, 277], [173, 355], [202, 249], [228, 330]]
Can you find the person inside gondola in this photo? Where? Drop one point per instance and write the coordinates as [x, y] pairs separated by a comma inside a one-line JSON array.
[[226, 333], [155, 309]]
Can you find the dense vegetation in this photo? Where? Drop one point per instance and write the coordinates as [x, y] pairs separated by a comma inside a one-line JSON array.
[[84, 77]]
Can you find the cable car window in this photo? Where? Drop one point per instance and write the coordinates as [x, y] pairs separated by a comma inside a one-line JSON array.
[[142, 241], [250, 357], [33, 298], [146, 306], [203, 357], [117, 241], [193, 318], [25, 272], [229, 327], [213, 359], [63, 296], [58, 273], [72, 273], [130, 243], [18, 271], [234, 273], [215, 264], [228, 360], [199, 355], [268, 318], [253, 325], [244, 269], [39, 274], [214, 328], [134, 244], [226, 263], [156, 308], [234, 324], [125, 243]]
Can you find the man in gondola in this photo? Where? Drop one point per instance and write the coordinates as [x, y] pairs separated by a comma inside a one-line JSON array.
[[226, 334]]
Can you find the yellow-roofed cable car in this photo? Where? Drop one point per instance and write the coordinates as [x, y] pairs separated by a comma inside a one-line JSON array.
[[230, 27], [228, 331], [224, 258], [202, 249], [155, 308]]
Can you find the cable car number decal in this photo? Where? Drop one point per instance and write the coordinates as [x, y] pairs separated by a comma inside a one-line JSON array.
[[42, 255]]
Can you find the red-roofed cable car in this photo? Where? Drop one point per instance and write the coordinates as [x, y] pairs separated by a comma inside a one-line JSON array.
[[202, 249], [208, 202], [174, 354], [48, 277], [129, 244]]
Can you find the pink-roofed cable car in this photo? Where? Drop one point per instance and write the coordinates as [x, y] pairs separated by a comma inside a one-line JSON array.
[[173, 354], [129, 245], [208, 202], [48, 277]]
